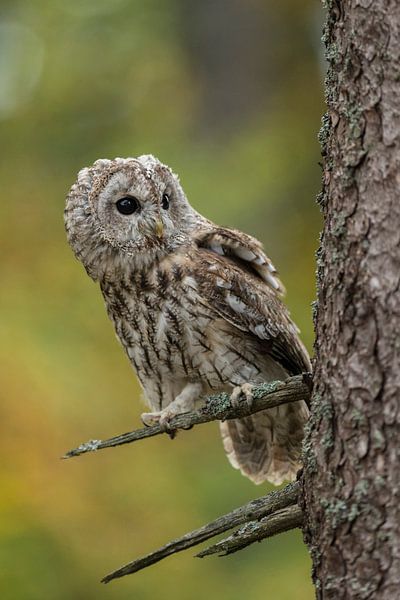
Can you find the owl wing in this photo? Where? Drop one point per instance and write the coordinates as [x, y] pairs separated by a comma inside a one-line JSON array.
[[243, 250], [238, 282]]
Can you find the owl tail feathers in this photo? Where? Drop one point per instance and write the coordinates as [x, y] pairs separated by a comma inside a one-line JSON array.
[[267, 445]]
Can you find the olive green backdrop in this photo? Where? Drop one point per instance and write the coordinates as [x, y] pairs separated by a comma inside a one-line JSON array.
[[228, 93]]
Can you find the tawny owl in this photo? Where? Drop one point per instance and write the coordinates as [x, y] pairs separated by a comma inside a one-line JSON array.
[[196, 307]]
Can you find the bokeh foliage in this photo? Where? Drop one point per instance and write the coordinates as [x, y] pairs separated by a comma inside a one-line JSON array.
[[86, 79]]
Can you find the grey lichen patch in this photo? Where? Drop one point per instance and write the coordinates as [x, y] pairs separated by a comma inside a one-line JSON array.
[[327, 4], [361, 489], [266, 388], [321, 198], [379, 482], [353, 114], [323, 412], [339, 226], [308, 452], [323, 135], [348, 178], [217, 404], [309, 449], [337, 511], [353, 513], [336, 256], [316, 399], [362, 589], [328, 440], [316, 554], [314, 309], [330, 583], [365, 244], [357, 418], [320, 260], [90, 446], [248, 528], [378, 439], [325, 409], [331, 53], [329, 163]]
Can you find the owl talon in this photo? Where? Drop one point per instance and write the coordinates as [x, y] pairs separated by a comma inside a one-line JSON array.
[[150, 419], [164, 422], [246, 389], [165, 426], [161, 418]]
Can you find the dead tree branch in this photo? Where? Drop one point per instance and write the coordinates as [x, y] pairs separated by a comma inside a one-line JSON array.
[[217, 408], [277, 511], [255, 531]]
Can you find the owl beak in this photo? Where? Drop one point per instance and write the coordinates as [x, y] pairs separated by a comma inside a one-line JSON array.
[[159, 228]]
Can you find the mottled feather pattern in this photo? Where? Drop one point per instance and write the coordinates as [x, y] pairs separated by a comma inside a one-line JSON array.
[[244, 250], [196, 307]]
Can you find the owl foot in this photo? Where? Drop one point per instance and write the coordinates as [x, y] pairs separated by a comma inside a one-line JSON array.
[[161, 418], [246, 389], [183, 403], [150, 419]]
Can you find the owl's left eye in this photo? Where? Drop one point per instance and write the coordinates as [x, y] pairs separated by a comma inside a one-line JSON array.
[[127, 205], [165, 201]]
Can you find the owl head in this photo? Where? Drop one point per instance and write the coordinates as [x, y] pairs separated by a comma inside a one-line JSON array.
[[126, 210]]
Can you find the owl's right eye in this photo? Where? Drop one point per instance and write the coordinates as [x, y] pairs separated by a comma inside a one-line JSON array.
[[127, 205]]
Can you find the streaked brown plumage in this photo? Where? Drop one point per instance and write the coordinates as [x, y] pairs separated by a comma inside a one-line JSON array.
[[195, 306]]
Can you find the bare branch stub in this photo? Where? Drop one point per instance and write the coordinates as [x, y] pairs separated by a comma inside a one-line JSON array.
[[255, 531], [218, 407], [272, 504]]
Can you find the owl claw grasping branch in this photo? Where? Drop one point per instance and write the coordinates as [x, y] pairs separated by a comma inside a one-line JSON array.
[[196, 306]]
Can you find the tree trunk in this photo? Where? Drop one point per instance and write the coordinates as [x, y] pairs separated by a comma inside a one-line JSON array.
[[352, 448]]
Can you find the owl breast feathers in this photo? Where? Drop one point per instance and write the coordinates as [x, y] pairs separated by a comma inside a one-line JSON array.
[[196, 307]]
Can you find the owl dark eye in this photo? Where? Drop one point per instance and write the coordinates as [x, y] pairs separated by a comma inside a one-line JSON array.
[[127, 205], [165, 202]]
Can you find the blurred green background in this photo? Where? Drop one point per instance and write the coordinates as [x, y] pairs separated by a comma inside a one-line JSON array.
[[228, 93]]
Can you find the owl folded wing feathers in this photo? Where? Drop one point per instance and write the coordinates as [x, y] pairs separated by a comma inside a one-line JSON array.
[[243, 249], [237, 281]]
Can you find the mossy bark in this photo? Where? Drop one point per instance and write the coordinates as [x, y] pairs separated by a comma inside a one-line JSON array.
[[351, 478]]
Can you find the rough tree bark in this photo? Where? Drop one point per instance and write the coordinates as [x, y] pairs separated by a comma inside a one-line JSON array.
[[352, 451]]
